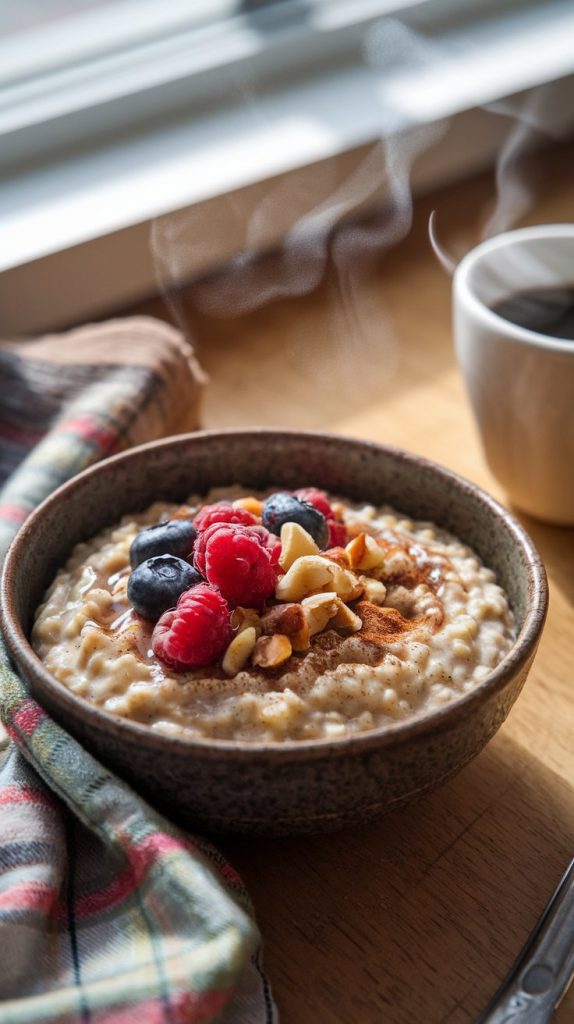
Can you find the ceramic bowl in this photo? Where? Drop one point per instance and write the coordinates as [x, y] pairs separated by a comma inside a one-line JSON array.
[[304, 786]]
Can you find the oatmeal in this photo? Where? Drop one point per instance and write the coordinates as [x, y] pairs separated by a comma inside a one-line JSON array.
[[271, 617]]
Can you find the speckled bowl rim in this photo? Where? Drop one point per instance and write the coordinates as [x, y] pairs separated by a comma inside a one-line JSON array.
[[386, 736]]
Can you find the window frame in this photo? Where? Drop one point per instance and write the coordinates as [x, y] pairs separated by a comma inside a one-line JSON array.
[[153, 151]]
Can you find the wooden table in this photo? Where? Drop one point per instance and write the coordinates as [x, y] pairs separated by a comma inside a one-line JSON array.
[[415, 919]]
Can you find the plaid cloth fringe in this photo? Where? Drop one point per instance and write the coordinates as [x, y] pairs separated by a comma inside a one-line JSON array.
[[108, 913]]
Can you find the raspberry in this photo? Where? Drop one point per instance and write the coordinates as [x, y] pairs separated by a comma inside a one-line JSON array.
[[337, 534], [269, 541], [222, 512], [237, 560], [195, 632]]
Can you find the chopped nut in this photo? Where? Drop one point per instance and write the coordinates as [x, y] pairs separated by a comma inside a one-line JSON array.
[[375, 590], [250, 504], [238, 651], [328, 609], [300, 641], [374, 555], [313, 574], [295, 542], [354, 529], [347, 585], [319, 609], [307, 574], [346, 618], [271, 651], [243, 618], [365, 553], [290, 620], [339, 556], [283, 618], [356, 549]]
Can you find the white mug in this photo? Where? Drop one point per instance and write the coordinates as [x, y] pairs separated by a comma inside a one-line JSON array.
[[520, 382]]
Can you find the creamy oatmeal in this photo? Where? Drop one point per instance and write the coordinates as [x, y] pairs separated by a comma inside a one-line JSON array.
[[395, 619]]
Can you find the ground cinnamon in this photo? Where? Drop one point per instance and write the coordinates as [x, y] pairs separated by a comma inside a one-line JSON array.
[[382, 626]]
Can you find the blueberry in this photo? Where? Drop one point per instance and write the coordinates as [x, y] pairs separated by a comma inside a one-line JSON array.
[[176, 537], [286, 508], [156, 584]]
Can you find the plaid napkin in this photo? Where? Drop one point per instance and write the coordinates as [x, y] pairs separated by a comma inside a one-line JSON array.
[[108, 913]]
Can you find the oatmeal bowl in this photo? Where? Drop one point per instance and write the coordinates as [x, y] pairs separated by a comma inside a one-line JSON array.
[[274, 631]]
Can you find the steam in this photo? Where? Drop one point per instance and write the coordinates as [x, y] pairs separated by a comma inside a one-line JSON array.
[[320, 236], [536, 117], [448, 262], [325, 242]]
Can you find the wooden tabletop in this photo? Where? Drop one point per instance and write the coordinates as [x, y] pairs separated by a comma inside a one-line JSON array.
[[417, 918]]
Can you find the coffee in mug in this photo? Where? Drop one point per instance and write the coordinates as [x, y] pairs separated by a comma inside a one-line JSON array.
[[513, 309]]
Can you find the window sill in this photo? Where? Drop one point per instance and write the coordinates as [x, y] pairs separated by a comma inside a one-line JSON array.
[[76, 231]]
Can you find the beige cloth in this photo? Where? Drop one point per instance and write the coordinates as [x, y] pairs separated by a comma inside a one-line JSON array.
[[134, 341]]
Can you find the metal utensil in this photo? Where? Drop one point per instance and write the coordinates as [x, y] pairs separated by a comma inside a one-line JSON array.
[[544, 968]]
